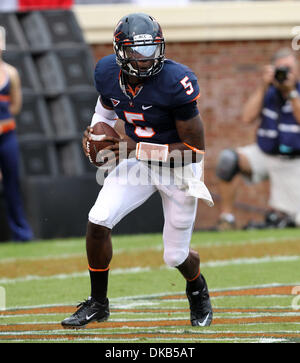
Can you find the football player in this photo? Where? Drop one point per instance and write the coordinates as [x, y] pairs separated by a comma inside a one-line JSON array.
[[156, 98]]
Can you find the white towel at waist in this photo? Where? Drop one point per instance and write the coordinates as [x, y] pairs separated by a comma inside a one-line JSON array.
[[190, 178]]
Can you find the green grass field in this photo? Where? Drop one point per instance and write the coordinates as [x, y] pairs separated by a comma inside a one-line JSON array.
[[253, 277]]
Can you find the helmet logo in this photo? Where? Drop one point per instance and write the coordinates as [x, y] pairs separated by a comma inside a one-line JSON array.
[[143, 38], [117, 39]]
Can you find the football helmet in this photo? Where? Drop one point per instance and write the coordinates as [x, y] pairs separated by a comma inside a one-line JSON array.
[[139, 45]]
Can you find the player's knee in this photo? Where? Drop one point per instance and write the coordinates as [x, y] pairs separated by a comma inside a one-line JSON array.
[[228, 165], [100, 216], [175, 256], [97, 232]]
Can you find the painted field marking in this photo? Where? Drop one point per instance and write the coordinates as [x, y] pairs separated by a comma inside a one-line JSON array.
[[159, 247], [133, 270], [2, 298], [156, 329]]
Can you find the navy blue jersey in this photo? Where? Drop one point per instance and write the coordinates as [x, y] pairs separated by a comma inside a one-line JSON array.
[[149, 116]]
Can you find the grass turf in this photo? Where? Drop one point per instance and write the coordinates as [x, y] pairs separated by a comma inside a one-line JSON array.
[[142, 287]]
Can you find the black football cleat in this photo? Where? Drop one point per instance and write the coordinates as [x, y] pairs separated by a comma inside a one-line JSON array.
[[89, 310], [200, 306]]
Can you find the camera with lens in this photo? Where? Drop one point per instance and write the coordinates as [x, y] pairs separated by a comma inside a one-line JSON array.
[[281, 74]]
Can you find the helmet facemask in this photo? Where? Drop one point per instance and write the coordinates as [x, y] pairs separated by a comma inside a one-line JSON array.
[[142, 57]]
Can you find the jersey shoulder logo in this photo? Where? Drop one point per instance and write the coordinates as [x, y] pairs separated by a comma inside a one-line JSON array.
[[115, 102]]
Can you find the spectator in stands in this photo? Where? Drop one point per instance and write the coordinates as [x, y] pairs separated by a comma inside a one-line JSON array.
[[276, 153], [10, 105]]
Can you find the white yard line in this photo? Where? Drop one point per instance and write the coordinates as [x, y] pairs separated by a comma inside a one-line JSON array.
[[159, 340], [145, 330], [250, 261], [42, 258], [70, 276], [136, 301], [204, 335], [218, 263], [119, 250], [182, 317]]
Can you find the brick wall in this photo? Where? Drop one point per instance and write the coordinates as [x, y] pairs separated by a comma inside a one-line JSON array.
[[227, 72]]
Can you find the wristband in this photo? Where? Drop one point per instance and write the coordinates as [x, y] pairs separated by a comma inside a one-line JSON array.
[[198, 151], [147, 151]]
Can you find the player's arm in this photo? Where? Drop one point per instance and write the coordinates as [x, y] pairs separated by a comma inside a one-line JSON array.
[[188, 122], [105, 109], [15, 90], [191, 133], [253, 106], [190, 130], [104, 112]]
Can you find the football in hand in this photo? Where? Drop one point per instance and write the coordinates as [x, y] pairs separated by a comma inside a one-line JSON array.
[[100, 131]]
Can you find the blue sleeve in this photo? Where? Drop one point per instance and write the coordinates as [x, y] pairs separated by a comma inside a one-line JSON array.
[[185, 112], [97, 77], [185, 88], [107, 102]]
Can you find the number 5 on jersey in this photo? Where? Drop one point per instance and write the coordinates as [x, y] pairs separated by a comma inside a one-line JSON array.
[[187, 85], [140, 131]]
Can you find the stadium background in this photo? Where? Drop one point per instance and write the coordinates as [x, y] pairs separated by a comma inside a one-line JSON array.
[[225, 43]]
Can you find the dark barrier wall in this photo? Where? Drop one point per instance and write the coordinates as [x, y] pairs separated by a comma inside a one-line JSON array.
[[58, 182]]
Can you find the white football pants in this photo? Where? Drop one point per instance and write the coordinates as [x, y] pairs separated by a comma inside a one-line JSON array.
[[129, 185]]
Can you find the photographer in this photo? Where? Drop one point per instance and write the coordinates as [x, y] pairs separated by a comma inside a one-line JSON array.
[[276, 153]]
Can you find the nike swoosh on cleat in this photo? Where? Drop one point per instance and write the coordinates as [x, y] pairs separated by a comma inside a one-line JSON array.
[[204, 321], [146, 107], [90, 317]]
